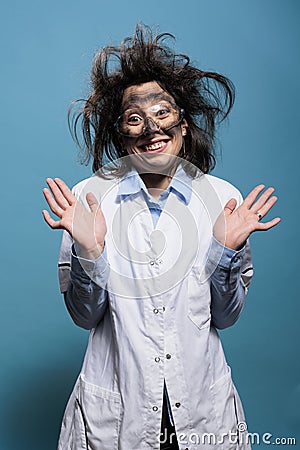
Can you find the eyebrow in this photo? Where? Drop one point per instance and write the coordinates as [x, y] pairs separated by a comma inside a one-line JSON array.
[[136, 100]]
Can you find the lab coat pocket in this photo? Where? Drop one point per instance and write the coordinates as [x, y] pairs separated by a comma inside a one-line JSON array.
[[79, 437], [228, 413], [198, 299], [98, 421]]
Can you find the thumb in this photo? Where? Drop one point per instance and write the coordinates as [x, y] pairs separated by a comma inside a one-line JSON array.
[[230, 206], [92, 202]]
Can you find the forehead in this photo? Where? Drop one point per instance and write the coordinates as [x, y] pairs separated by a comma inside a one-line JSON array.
[[144, 93]]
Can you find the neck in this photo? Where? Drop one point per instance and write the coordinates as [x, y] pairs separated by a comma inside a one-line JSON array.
[[156, 183]]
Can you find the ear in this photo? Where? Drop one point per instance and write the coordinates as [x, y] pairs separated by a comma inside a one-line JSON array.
[[184, 126]]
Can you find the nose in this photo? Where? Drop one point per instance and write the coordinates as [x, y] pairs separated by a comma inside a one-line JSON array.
[[150, 126]]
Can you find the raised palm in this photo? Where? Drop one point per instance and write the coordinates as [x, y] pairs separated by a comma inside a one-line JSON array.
[[88, 228]]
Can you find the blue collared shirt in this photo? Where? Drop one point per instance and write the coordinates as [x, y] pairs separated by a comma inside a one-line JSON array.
[[181, 185]]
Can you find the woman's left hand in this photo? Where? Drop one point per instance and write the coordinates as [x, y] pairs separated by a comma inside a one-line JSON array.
[[234, 225]]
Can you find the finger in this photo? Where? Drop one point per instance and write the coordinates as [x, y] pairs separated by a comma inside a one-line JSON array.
[[69, 196], [257, 206], [52, 203], [230, 206], [92, 202], [267, 206], [57, 194], [51, 222], [250, 199], [264, 226]]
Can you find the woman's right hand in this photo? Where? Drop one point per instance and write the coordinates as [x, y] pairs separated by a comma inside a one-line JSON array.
[[88, 228]]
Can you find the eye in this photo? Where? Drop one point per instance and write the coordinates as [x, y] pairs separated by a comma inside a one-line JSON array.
[[163, 112], [134, 119]]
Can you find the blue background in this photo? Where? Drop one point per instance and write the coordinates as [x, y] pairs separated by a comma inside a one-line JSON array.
[[46, 54]]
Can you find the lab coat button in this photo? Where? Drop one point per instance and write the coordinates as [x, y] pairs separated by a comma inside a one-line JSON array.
[[155, 408], [152, 263], [155, 310], [177, 404], [168, 356], [157, 359]]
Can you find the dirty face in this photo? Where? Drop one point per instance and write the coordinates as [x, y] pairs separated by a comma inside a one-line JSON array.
[[151, 125]]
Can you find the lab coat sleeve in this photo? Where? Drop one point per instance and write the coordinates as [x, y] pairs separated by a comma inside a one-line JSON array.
[[83, 284], [229, 282]]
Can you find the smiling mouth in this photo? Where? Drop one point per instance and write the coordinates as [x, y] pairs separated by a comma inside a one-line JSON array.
[[155, 146]]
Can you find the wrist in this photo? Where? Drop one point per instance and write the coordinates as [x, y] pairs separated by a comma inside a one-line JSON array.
[[91, 254], [230, 243]]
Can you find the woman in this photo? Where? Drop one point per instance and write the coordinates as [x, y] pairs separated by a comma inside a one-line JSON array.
[[155, 256]]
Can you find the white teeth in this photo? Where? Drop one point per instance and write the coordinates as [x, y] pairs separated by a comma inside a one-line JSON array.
[[154, 146]]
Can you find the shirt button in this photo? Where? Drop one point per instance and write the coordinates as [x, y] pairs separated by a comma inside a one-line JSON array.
[[168, 356], [163, 308], [177, 404], [157, 359], [160, 261], [155, 408], [155, 311]]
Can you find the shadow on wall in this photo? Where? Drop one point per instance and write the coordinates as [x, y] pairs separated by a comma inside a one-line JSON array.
[[33, 418]]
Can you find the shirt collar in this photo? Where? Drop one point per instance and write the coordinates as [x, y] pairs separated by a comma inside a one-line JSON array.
[[181, 184]]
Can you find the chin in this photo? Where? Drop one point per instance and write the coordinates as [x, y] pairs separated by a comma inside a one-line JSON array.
[[147, 162]]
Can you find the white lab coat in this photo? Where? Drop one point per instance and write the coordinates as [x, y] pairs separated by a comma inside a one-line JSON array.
[[157, 327]]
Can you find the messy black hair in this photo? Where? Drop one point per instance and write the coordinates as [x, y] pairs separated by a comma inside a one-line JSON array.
[[206, 97]]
